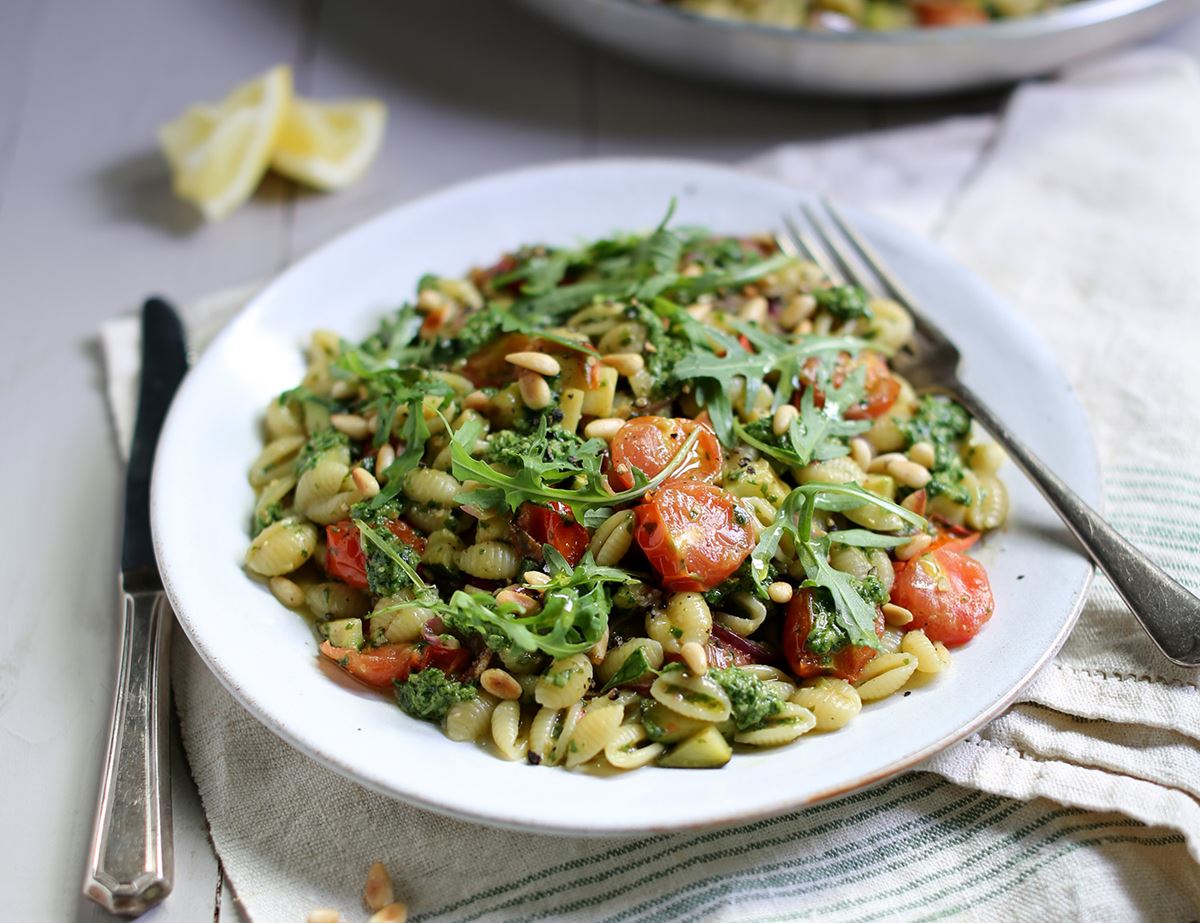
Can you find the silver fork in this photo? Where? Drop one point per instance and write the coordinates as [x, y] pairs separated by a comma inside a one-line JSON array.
[[1168, 612]]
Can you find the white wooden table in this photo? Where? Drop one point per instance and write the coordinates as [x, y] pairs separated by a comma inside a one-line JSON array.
[[88, 228]]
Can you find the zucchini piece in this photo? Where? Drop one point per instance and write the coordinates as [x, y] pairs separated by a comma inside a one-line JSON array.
[[666, 726], [706, 750], [344, 633]]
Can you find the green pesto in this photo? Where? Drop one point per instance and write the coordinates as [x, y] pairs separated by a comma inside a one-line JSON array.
[[429, 694], [753, 703]]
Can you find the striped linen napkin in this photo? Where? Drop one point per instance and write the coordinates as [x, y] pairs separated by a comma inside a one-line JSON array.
[[1080, 205]]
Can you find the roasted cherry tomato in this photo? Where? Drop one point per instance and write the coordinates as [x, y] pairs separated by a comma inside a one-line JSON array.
[[392, 663], [947, 593], [487, 367], [553, 524], [344, 558], [881, 388], [846, 663], [694, 534], [649, 444], [934, 13]]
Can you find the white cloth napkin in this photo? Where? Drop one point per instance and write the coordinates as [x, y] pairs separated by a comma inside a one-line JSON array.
[[1081, 205]]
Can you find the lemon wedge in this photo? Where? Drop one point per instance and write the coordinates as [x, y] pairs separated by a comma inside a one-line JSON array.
[[329, 145], [219, 152]]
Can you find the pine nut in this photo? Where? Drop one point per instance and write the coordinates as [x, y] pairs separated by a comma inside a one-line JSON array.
[[695, 657], [430, 299], [342, 389], [799, 309], [880, 462], [476, 400], [754, 310], [534, 391], [384, 458], [627, 364], [351, 424], [603, 428], [896, 615], [860, 451], [500, 683], [691, 270], [377, 892], [700, 310], [535, 362], [365, 481], [922, 453], [783, 418], [324, 915], [908, 473], [287, 592], [395, 912], [780, 592], [517, 598], [913, 547], [597, 651], [536, 578]]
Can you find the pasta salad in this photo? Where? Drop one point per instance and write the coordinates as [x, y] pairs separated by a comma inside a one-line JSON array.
[[634, 502], [873, 15]]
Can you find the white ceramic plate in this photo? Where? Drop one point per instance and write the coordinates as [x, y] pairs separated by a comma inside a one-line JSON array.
[[267, 657]]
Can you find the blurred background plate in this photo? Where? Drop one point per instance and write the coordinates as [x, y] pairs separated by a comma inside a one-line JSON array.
[[910, 62]]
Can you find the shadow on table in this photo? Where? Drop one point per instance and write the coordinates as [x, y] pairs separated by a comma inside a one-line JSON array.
[[138, 189]]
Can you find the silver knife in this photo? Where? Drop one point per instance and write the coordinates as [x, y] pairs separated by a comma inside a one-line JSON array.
[[131, 864]]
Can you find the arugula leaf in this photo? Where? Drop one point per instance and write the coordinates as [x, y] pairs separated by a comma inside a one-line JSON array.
[[388, 348], [724, 358], [817, 433], [636, 666], [414, 433], [635, 267], [533, 483], [574, 614], [855, 616]]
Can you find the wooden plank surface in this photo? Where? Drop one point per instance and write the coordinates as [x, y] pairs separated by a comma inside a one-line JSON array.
[[88, 227]]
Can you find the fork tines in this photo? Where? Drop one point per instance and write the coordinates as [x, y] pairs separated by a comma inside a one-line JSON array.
[[830, 241]]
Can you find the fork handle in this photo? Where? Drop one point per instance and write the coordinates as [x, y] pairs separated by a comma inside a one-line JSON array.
[[1168, 612]]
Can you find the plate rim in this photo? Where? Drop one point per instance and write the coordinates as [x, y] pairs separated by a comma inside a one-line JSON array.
[[1069, 18], [724, 818]]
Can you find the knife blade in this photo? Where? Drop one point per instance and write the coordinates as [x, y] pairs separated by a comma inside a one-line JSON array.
[[131, 861], [164, 362]]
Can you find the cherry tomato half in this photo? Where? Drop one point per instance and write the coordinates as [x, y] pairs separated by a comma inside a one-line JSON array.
[[881, 388], [392, 663], [846, 663], [694, 534], [947, 593], [934, 13], [554, 524], [649, 444], [345, 560]]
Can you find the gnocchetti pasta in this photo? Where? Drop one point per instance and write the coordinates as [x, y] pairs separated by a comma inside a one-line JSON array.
[[644, 501]]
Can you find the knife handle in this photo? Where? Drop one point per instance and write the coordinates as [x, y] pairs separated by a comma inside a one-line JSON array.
[[131, 865]]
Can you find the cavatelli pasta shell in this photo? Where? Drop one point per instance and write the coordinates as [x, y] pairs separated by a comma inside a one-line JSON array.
[[281, 547]]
